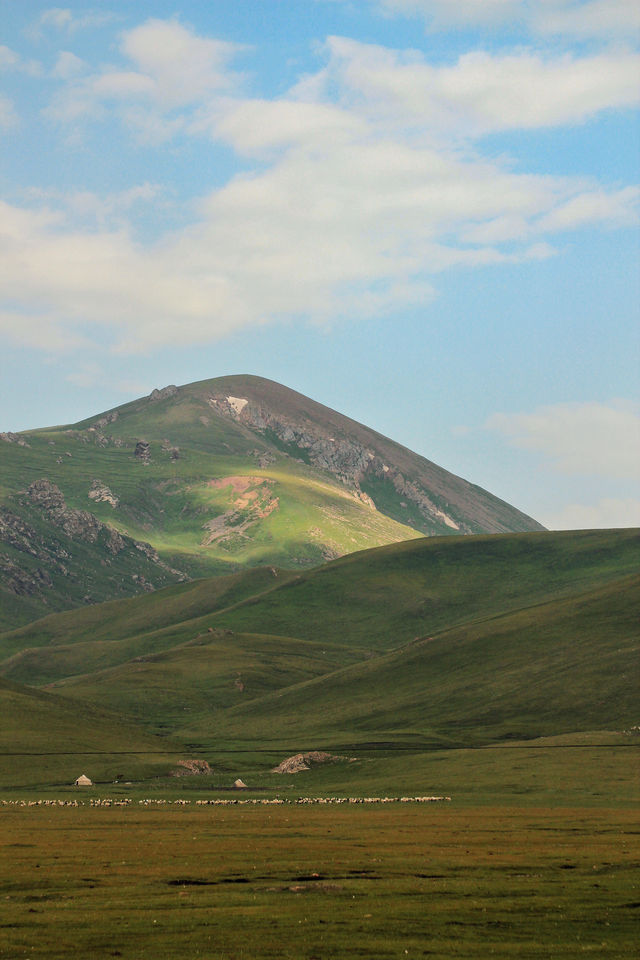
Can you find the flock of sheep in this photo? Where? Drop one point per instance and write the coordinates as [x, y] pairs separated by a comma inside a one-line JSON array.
[[126, 801]]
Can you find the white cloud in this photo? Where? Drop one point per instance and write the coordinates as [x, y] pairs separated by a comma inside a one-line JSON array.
[[259, 127], [617, 208], [57, 17], [595, 206], [572, 18], [456, 13], [365, 189], [168, 68], [606, 513], [352, 228], [63, 19], [12, 61], [109, 210], [182, 66], [172, 71], [481, 93], [9, 59], [596, 18], [589, 439], [121, 85], [68, 65]]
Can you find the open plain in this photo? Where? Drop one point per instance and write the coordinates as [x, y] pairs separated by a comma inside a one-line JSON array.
[[314, 882], [537, 855]]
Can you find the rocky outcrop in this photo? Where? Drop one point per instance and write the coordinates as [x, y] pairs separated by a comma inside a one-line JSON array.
[[106, 419], [191, 768], [59, 556], [344, 458], [17, 533], [19, 574], [20, 581], [101, 493], [82, 525], [76, 524], [174, 452], [14, 438], [304, 761], [151, 554], [142, 451], [264, 458], [164, 392]]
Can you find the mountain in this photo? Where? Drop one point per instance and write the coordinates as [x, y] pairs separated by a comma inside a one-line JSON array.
[[211, 478], [437, 641]]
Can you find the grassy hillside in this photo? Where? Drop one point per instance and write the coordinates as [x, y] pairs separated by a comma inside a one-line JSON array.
[[567, 665], [208, 479], [137, 616], [183, 689], [377, 600], [49, 740], [437, 642], [385, 597], [556, 667]]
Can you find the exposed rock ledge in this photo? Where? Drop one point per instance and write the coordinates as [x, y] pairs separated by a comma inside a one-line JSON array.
[[347, 460], [82, 525], [77, 524], [191, 768], [101, 493], [304, 761], [163, 393]]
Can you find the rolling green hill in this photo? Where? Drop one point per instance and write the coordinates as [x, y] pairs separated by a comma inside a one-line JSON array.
[[208, 479], [433, 642], [565, 666]]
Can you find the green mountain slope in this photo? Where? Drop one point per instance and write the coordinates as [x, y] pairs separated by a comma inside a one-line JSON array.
[[385, 597], [436, 641], [564, 666], [147, 614], [371, 601], [205, 479], [183, 689]]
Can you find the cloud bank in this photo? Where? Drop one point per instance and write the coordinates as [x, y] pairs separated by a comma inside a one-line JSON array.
[[363, 182], [568, 18]]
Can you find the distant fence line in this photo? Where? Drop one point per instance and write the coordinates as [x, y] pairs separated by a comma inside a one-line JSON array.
[[127, 801]]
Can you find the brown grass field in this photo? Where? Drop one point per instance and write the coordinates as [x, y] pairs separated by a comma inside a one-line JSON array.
[[403, 880]]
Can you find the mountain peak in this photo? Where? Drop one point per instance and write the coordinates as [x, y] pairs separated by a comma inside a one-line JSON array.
[[212, 477]]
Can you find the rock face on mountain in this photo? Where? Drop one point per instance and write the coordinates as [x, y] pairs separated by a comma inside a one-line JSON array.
[[76, 524], [14, 438], [374, 467], [46, 544]]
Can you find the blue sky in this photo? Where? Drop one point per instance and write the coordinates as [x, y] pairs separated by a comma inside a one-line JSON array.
[[423, 213]]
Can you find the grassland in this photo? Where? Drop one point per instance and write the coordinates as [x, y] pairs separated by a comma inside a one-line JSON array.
[[499, 671], [229, 883]]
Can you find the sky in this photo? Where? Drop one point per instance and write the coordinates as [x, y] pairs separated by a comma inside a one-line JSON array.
[[422, 213]]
